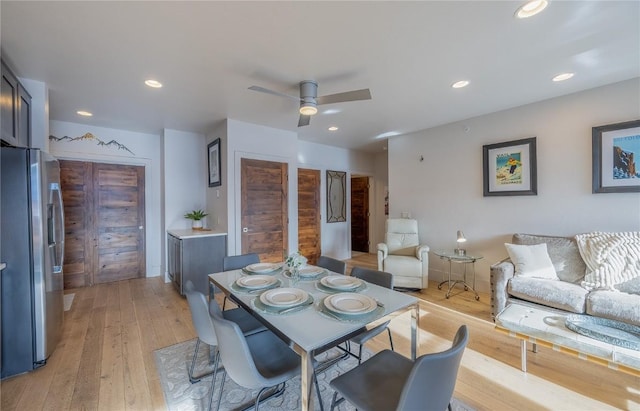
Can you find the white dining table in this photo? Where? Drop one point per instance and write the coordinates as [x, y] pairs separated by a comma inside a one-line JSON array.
[[309, 330]]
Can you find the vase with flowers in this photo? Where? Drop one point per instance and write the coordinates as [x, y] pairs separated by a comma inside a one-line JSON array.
[[293, 263]]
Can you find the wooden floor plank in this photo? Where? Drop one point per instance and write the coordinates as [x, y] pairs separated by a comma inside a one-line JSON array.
[[87, 388], [111, 391]]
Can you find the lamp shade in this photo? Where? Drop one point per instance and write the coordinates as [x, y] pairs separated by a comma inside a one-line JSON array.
[[461, 238]]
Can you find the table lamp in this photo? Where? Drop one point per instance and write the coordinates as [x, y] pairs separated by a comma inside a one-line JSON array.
[[460, 240]]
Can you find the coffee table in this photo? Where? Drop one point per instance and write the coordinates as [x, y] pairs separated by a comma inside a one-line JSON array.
[[546, 327]]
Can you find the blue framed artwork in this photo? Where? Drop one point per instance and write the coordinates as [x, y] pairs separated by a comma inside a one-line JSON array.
[[615, 155]]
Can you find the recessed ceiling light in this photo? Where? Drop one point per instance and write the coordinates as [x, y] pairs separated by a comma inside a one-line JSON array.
[[84, 113], [460, 84], [563, 77], [531, 8], [333, 128], [153, 83]]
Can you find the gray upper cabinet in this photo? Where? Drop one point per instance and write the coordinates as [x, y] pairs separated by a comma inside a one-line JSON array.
[[15, 110]]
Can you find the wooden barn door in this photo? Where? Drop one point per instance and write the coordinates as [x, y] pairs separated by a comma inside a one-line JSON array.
[[264, 215], [119, 222], [360, 214], [104, 222], [309, 214]]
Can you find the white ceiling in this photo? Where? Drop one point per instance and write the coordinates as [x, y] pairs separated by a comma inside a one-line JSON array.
[[95, 56]]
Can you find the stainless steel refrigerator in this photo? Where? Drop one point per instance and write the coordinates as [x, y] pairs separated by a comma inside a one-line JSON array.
[[32, 246]]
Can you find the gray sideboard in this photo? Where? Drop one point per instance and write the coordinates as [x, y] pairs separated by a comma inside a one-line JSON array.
[[193, 255]]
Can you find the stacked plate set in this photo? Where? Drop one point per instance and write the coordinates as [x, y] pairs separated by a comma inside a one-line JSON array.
[[283, 300], [262, 268]]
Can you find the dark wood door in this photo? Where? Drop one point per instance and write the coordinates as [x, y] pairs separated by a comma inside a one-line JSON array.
[[264, 209], [360, 214], [104, 222], [119, 222], [77, 196], [309, 214]]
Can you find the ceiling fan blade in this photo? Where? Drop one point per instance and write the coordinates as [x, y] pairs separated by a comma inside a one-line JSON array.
[[304, 120], [354, 95], [275, 93]]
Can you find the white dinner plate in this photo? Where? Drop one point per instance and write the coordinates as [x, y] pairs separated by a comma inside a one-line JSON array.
[[310, 271], [341, 282], [262, 267], [350, 303], [283, 297], [255, 282]]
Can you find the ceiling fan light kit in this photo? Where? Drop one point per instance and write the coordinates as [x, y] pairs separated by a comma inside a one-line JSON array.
[[309, 99]]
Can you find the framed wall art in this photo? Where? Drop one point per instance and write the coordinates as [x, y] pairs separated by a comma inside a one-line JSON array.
[[215, 163], [509, 168], [615, 154], [336, 196]]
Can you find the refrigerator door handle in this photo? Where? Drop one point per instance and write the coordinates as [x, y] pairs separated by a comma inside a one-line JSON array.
[[58, 229]]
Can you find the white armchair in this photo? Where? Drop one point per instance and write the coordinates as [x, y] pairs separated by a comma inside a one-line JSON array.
[[402, 255]]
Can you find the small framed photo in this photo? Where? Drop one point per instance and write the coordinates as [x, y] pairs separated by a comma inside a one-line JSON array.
[[509, 168], [215, 163], [615, 154]]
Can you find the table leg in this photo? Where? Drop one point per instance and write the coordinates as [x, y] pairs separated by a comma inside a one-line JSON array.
[[415, 323], [523, 355], [306, 381]]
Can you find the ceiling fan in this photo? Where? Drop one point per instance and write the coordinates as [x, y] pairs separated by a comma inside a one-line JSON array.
[[309, 100]]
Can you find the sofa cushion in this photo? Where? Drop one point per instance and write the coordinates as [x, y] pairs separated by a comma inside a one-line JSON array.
[[614, 305], [563, 252], [403, 265], [557, 294], [531, 261], [630, 287]]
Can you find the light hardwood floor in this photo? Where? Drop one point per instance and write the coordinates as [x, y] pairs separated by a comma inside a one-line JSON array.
[[105, 360]]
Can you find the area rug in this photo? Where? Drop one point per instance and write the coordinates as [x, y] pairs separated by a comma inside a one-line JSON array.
[[180, 395], [68, 300]]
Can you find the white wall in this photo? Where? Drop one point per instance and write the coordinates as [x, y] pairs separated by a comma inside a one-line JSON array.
[[186, 179], [146, 148], [244, 140], [381, 185], [444, 192], [217, 197], [336, 237]]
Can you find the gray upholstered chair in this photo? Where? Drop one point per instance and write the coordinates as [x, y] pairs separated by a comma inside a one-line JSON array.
[[234, 262], [332, 264], [204, 325], [258, 361], [389, 381], [384, 280], [402, 255]]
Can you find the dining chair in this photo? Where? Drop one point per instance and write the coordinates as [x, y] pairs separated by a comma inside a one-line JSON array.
[[382, 279], [332, 264], [235, 262], [257, 361], [204, 325], [389, 381]]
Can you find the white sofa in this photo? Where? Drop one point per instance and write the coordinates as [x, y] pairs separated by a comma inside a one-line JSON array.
[[566, 293], [402, 255]]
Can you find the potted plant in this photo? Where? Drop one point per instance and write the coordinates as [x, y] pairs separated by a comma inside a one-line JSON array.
[[196, 216]]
